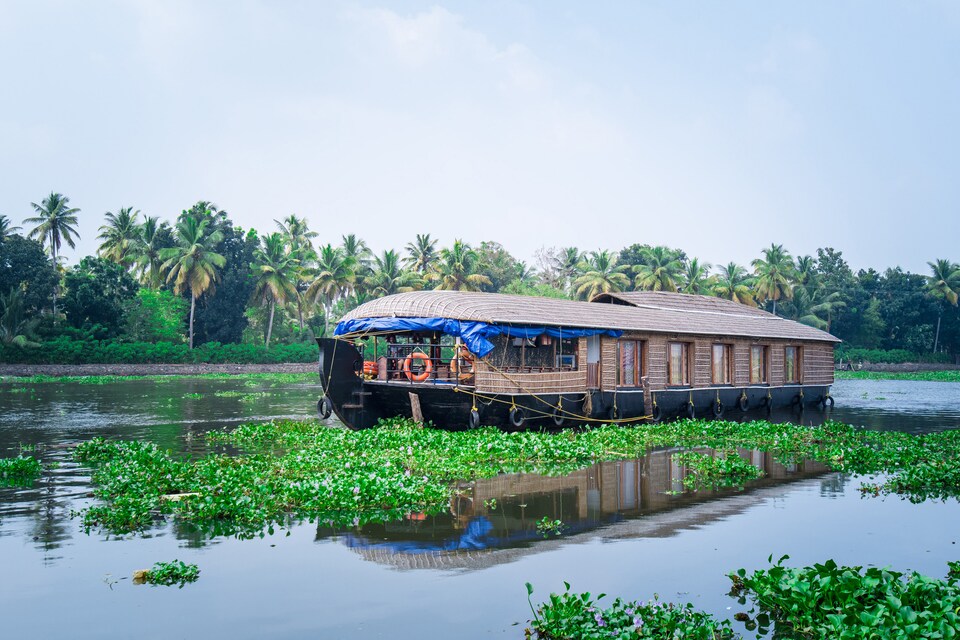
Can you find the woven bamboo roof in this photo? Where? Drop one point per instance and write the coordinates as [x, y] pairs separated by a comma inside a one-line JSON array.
[[685, 315], [678, 302]]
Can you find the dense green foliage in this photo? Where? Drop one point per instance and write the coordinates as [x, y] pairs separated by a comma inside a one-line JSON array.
[[278, 287], [250, 378], [822, 602], [578, 616], [172, 573], [21, 470], [65, 350], [832, 602], [97, 294], [307, 470]]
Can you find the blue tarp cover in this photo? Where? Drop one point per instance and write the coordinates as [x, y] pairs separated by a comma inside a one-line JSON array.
[[474, 334]]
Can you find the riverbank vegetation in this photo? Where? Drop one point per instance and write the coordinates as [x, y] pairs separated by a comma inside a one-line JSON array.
[[821, 602], [305, 470], [930, 376], [201, 289], [249, 378]]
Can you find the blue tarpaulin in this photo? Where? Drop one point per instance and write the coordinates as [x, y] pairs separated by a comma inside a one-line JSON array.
[[474, 334]]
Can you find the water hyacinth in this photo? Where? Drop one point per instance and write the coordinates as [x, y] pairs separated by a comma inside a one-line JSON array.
[[19, 471], [305, 470]]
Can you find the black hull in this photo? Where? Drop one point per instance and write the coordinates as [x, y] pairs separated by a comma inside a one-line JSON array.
[[360, 403]]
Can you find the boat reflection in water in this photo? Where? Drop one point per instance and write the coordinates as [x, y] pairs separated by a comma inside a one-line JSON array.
[[494, 520]]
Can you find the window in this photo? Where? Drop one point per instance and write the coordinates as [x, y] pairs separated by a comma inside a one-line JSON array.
[[721, 364], [791, 364], [758, 364], [631, 363], [677, 364]]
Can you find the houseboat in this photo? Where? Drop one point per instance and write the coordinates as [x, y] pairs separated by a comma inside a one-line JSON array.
[[458, 360]]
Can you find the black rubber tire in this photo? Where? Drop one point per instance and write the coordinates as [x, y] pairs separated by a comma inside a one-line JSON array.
[[517, 417], [828, 400], [324, 408], [691, 410], [717, 409], [474, 419], [657, 414], [613, 413], [743, 403], [558, 418]]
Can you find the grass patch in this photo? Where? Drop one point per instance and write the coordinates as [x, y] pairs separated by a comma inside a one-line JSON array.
[[928, 376], [19, 471]]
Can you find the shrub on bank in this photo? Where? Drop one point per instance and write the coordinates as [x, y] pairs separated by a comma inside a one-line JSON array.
[[64, 350], [891, 356]]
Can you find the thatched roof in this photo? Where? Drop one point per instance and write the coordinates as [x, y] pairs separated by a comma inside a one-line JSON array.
[[675, 314]]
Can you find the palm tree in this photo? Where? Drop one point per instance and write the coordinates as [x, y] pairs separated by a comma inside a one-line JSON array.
[[388, 278], [334, 277], [146, 253], [943, 285], [569, 262], [696, 277], [600, 274], [55, 224], [815, 307], [421, 253], [457, 269], [276, 272], [193, 263], [120, 236], [775, 275], [16, 327], [297, 235], [5, 229], [662, 270], [733, 283]]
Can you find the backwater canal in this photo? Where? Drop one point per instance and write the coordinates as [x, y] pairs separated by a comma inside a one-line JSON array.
[[629, 530]]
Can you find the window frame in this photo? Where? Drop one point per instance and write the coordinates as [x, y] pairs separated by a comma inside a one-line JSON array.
[[638, 348], [684, 366], [797, 364], [764, 364], [727, 365]]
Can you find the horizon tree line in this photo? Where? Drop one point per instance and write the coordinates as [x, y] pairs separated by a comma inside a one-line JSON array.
[[287, 271]]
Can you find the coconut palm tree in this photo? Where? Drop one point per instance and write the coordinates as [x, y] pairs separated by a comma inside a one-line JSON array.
[[6, 230], [387, 277], [298, 236], [334, 277], [696, 277], [55, 224], [193, 263], [420, 253], [146, 252], [456, 269], [568, 262], [120, 235], [775, 275], [16, 327], [600, 273], [733, 282], [815, 307], [944, 285], [276, 273], [662, 270]]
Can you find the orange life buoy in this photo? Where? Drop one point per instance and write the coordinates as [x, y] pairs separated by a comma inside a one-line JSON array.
[[465, 370], [427, 367]]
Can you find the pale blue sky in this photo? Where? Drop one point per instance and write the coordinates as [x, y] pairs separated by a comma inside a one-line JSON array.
[[714, 127]]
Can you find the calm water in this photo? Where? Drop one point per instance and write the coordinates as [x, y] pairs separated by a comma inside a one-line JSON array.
[[456, 575]]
